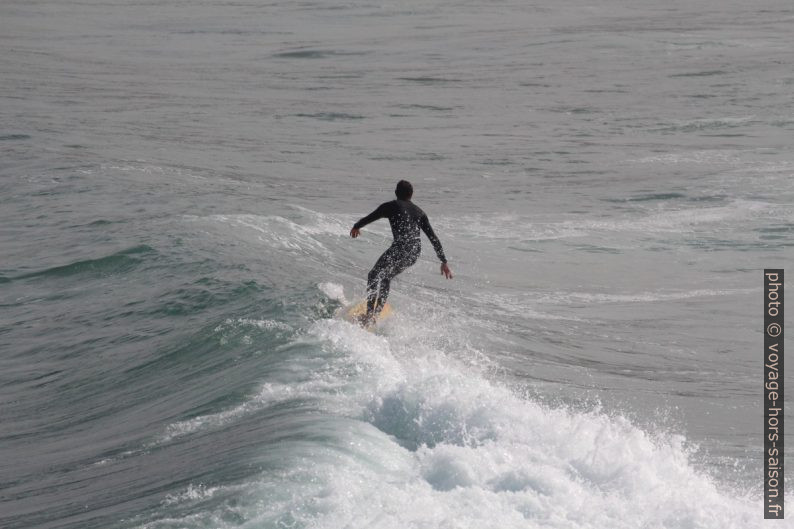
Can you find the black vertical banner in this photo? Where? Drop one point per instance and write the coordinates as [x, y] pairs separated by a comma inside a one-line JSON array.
[[773, 394]]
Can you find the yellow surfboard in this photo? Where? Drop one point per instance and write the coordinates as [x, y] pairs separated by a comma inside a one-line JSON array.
[[354, 313]]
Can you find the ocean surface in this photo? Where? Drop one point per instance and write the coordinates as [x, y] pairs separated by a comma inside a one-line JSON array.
[[177, 183]]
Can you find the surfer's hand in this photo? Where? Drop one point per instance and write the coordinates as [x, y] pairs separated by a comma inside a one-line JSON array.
[[355, 232], [445, 271]]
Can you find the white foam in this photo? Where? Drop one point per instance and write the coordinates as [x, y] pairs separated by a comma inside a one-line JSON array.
[[334, 291], [517, 304], [662, 219], [421, 440], [306, 234], [524, 228], [691, 157], [232, 326], [250, 322], [474, 454], [276, 231], [268, 394], [567, 298], [192, 493], [407, 434]]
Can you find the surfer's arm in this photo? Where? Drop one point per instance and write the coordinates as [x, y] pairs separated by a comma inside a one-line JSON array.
[[428, 229], [379, 213]]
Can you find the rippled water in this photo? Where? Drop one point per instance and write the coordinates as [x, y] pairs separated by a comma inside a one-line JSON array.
[[177, 181]]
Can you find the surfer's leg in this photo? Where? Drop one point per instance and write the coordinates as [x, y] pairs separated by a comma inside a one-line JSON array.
[[373, 293], [393, 262], [383, 293], [378, 280], [398, 262]]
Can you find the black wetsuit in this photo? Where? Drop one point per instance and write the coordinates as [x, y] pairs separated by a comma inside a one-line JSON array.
[[406, 219]]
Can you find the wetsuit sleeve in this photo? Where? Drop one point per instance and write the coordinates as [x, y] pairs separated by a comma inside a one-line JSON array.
[[433, 239], [381, 212]]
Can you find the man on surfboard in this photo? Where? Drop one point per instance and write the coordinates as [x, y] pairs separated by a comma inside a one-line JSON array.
[[406, 219]]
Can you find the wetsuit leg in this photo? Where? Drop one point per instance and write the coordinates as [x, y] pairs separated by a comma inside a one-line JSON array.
[[393, 262]]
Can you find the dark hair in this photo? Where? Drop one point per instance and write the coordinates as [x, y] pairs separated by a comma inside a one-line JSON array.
[[404, 190]]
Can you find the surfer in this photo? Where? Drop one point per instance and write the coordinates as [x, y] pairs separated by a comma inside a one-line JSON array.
[[406, 219]]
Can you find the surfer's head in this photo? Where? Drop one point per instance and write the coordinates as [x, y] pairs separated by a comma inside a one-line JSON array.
[[404, 190]]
